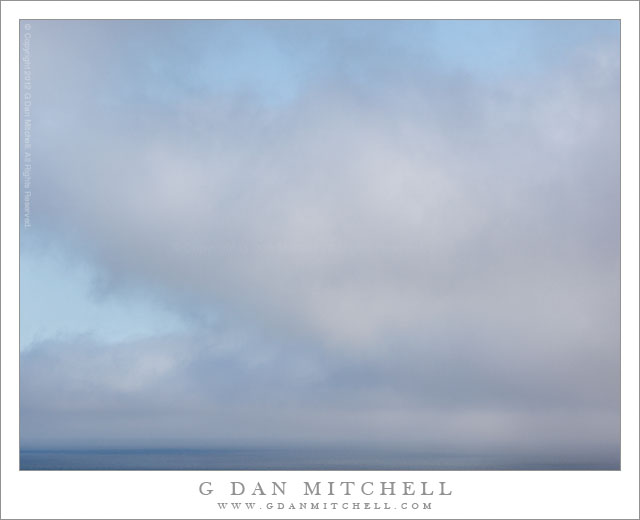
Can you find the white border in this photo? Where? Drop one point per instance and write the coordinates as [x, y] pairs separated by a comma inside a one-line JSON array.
[[174, 494]]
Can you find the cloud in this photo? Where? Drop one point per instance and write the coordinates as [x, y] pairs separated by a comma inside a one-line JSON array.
[[183, 391], [402, 247]]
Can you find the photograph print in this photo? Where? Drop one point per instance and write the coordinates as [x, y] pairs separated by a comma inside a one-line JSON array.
[[320, 245]]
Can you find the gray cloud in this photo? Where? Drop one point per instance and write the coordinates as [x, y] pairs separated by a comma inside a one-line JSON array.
[[188, 391], [411, 250]]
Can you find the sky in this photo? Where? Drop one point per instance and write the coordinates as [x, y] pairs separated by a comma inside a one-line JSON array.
[[324, 233]]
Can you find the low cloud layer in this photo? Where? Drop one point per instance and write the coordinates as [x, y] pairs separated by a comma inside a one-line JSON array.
[[394, 251]]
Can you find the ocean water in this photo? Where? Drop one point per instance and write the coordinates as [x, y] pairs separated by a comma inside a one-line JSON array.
[[289, 459]]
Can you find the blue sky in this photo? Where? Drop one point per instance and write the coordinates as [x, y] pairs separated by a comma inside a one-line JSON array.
[[318, 229], [61, 297]]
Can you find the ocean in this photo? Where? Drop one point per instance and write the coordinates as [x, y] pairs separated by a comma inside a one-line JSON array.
[[289, 459]]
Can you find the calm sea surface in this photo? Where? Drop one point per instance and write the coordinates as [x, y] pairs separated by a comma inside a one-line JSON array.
[[285, 459]]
